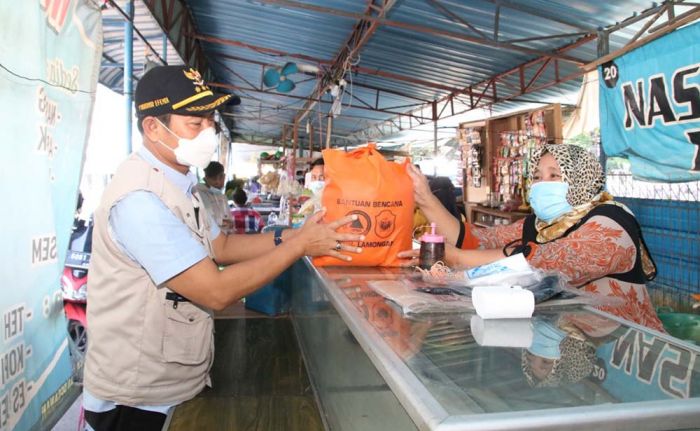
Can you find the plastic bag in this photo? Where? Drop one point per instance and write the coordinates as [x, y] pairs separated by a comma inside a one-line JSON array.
[[287, 185], [269, 182], [549, 288], [412, 296], [380, 193]]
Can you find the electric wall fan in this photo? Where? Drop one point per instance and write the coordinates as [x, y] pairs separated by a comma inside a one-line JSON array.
[[279, 77]]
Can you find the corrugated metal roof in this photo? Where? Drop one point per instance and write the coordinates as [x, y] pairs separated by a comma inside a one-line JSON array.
[[113, 21], [402, 65]]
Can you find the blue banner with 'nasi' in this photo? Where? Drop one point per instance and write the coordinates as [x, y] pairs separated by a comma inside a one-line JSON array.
[[650, 107], [49, 62]]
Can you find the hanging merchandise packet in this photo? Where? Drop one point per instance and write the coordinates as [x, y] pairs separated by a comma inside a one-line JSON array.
[[363, 183]]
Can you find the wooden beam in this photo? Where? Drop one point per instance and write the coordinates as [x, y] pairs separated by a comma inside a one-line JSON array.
[[355, 69], [522, 7], [295, 145], [285, 130], [458, 19], [329, 129], [292, 96], [355, 84], [360, 35], [422, 29], [688, 18], [311, 139]]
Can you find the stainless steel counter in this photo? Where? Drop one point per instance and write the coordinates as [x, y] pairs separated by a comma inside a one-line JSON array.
[[374, 368]]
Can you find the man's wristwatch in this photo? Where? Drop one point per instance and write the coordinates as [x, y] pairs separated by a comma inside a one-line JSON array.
[[278, 235]]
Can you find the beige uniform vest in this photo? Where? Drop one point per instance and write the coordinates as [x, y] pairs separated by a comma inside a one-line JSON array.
[[143, 350]]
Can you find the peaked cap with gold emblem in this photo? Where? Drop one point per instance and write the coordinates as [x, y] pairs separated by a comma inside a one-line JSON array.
[[176, 90]]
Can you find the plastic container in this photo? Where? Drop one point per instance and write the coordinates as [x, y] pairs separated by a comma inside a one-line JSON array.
[[272, 299], [432, 248], [682, 325]]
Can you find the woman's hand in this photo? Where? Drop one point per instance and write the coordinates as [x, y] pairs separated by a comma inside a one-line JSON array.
[[421, 189], [453, 256], [322, 239], [431, 206]]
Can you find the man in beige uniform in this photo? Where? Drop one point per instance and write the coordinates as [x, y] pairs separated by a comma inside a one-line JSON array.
[[154, 273]]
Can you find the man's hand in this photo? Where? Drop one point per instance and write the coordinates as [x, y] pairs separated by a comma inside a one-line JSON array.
[[322, 239]]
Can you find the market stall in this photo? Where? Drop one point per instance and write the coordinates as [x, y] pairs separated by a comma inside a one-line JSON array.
[[372, 365], [494, 158], [305, 77]]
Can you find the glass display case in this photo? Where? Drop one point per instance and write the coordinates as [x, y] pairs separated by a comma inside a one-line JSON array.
[[370, 363]]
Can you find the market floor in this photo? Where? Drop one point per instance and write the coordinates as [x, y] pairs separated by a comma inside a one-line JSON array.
[[259, 378]]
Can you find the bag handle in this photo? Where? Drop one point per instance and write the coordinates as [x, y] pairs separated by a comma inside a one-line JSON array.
[[369, 149]]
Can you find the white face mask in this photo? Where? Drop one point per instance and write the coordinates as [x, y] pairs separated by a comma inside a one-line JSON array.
[[316, 187], [216, 190], [195, 152]]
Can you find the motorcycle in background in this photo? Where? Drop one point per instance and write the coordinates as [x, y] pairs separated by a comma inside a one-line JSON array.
[[74, 288]]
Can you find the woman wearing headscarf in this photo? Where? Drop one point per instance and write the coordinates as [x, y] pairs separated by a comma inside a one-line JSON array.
[[563, 349], [577, 229], [558, 355]]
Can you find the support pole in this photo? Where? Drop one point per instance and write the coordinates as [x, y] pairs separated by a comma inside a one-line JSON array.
[[311, 141], [165, 47], [435, 137], [284, 139], [129, 69], [329, 128], [295, 145], [603, 49]]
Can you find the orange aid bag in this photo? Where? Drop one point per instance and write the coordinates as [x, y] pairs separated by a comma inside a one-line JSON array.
[[380, 193]]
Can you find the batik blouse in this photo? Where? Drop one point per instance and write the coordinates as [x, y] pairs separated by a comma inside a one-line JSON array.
[[600, 254]]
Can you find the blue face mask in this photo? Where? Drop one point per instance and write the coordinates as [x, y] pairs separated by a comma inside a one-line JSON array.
[[546, 340], [548, 199]]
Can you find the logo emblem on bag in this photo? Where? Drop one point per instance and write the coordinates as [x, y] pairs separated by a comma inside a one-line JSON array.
[[362, 225], [386, 223]]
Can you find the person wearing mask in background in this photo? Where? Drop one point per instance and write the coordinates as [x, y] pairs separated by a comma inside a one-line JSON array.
[[576, 230], [315, 178], [245, 219], [213, 198], [317, 170], [154, 270]]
